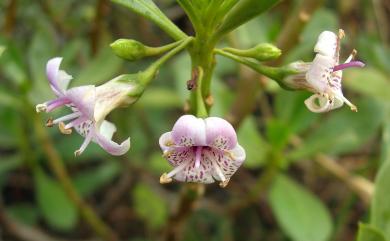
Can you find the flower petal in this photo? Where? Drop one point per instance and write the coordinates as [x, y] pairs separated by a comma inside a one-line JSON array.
[[58, 79], [52, 68], [165, 141], [111, 95], [83, 99], [326, 44], [63, 80], [106, 130], [318, 104], [189, 131], [227, 163], [191, 173], [320, 72], [220, 134]]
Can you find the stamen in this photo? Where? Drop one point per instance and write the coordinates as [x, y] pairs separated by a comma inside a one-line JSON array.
[[352, 106], [167, 178], [341, 34], [63, 129], [348, 65], [67, 117], [49, 122], [224, 183], [87, 140], [218, 170], [198, 155], [169, 143], [351, 56], [40, 107]]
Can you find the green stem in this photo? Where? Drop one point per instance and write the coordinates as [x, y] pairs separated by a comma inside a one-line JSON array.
[[201, 110], [153, 51], [271, 72], [202, 56], [152, 69]]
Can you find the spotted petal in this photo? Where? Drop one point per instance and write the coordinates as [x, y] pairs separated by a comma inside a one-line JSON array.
[[191, 173], [220, 134], [320, 72], [189, 131], [103, 138], [226, 164]]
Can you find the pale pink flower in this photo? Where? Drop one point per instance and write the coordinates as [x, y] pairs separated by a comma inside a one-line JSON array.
[[89, 105], [201, 150]]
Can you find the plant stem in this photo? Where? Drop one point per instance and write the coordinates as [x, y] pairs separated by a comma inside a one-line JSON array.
[[187, 203], [202, 57], [153, 69], [274, 73], [59, 169]]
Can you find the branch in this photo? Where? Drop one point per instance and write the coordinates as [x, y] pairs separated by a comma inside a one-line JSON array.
[[360, 185], [187, 203]]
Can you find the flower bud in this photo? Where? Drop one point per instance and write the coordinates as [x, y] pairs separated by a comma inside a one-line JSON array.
[[129, 49], [133, 50], [261, 52]]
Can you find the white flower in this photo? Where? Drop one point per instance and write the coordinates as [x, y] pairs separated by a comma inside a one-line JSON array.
[[325, 73]]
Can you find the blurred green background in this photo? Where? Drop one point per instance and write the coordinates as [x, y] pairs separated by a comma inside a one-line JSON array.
[[326, 164]]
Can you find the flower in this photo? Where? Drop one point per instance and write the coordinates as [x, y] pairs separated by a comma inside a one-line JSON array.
[[90, 105], [324, 75], [201, 150]]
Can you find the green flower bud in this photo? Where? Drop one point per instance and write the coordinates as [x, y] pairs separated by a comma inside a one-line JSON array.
[[261, 52], [133, 50]]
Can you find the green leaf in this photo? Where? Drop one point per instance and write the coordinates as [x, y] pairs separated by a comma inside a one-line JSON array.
[[149, 10], [12, 65], [7, 98], [342, 131], [380, 207], [93, 179], [2, 49], [150, 206], [242, 12], [277, 134], [9, 163], [23, 212], [385, 148], [254, 144], [58, 211], [368, 81], [369, 233], [301, 215], [290, 109]]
